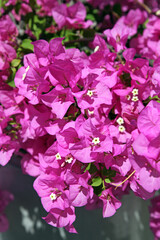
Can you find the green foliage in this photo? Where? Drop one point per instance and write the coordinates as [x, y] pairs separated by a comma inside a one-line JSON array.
[[69, 35], [10, 81], [108, 180], [38, 24], [108, 174], [99, 177], [91, 17], [26, 44], [96, 181], [15, 62]]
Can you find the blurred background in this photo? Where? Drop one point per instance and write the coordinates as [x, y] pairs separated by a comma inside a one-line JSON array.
[[131, 222]]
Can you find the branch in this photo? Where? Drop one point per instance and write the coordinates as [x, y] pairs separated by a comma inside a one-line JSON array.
[[143, 5], [148, 9], [81, 39], [78, 40]]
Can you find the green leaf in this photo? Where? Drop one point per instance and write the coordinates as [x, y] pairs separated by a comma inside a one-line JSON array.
[[88, 167], [68, 35], [90, 17], [26, 44], [11, 84], [95, 11], [107, 180], [15, 62], [11, 77], [96, 182], [151, 62], [145, 23]]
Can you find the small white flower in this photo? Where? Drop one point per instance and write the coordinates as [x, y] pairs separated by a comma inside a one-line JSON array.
[[53, 196], [58, 156], [90, 93], [68, 158], [121, 128], [135, 91], [135, 99], [90, 112], [96, 140], [120, 121]]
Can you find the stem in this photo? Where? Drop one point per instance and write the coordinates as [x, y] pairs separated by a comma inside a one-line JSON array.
[[143, 5], [103, 185], [81, 39], [91, 39], [78, 40], [117, 185], [115, 15]]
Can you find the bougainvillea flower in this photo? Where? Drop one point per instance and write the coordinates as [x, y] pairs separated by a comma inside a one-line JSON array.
[[110, 203]]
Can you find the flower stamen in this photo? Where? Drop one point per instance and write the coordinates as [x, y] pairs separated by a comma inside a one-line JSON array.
[[58, 156], [96, 140]]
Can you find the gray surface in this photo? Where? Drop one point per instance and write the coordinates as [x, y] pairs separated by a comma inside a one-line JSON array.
[[131, 222]]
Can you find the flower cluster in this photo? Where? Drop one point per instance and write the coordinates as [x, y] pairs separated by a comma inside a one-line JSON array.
[[87, 126], [8, 33], [148, 44]]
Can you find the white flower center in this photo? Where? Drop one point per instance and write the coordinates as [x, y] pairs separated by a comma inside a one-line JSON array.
[[96, 140], [69, 159], [90, 93], [53, 196], [135, 91], [121, 128], [58, 156], [90, 112], [135, 99], [120, 121]]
